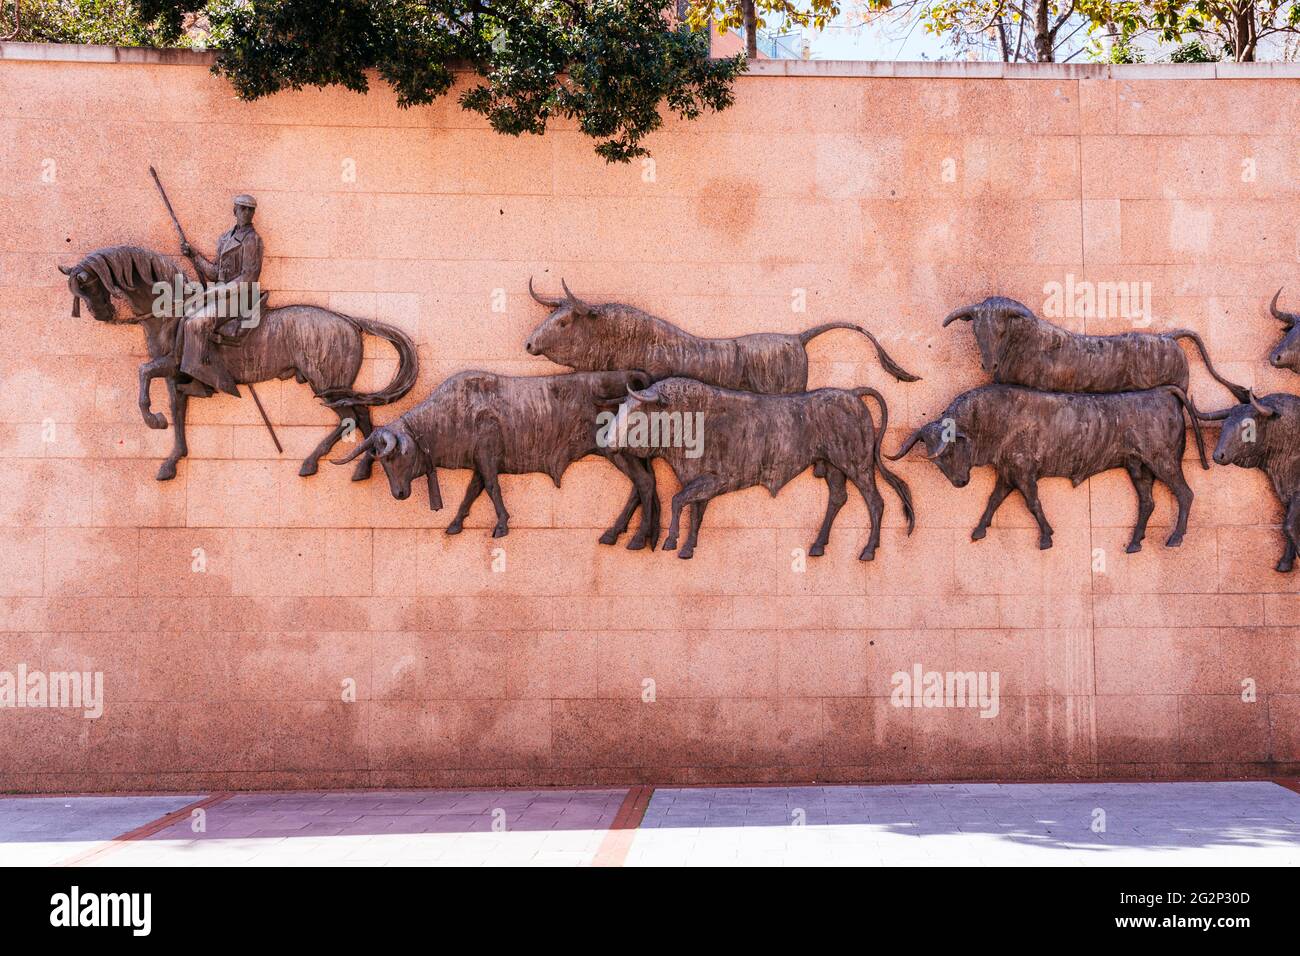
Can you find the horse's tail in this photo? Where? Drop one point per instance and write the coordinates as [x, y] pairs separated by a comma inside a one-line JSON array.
[[408, 367]]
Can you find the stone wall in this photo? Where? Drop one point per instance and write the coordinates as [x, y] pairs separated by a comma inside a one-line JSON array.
[[881, 193]]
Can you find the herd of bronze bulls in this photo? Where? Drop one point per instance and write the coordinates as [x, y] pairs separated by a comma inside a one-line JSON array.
[[1060, 404]]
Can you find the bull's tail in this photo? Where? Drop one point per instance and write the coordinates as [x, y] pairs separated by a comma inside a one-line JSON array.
[[898, 484], [1239, 393], [890, 366], [408, 367], [1195, 416]]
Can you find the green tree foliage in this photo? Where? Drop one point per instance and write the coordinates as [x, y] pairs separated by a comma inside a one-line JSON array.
[[1235, 26], [112, 22], [613, 66]]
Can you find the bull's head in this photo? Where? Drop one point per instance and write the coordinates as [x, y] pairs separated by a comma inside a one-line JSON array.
[[945, 445], [85, 284], [403, 461], [997, 322], [636, 400], [565, 336], [1242, 442], [1286, 354]]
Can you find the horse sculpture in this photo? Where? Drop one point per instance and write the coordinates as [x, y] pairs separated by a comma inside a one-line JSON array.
[[317, 346]]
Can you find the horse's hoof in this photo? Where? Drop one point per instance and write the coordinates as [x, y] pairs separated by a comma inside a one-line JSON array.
[[868, 554], [686, 553], [1174, 541], [636, 544], [1044, 543], [1134, 547], [308, 468], [362, 471], [1285, 566], [500, 531], [154, 420], [670, 544], [816, 551], [166, 471], [978, 534], [455, 528], [609, 537]]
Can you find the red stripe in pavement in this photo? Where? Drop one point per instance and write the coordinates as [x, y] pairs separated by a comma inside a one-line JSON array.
[[613, 849], [148, 830]]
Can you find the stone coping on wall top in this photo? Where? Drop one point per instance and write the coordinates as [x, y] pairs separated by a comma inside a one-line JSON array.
[[962, 69]]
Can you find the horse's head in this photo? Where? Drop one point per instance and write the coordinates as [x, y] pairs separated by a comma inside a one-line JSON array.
[[86, 285], [130, 272]]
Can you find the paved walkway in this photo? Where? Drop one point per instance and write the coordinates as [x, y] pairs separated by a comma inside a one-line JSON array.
[[965, 824]]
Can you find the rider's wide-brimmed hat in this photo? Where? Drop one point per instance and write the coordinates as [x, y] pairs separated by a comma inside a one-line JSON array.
[[243, 199]]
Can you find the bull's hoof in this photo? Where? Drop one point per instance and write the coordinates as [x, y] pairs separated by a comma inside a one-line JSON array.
[[978, 534], [670, 543], [1285, 566], [166, 471], [309, 467], [154, 420], [636, 544], [455, 528], [1174, 541], [816, 551], [500, 531], [609, 537], [1133, 547], [363, 469], [686, 553]]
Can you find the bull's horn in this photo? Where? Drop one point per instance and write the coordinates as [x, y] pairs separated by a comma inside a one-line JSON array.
[[1288, 319], [549, 303], [67, 272], [963, 313], [1214, 416], [643, 395], [1264, 410], [912, 439], [364, 446], [385, 443], [576, 304]]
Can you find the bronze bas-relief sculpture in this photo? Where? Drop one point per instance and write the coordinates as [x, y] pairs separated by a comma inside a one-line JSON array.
[[317, 346], [1018, 348], [613, 336], [1026, 435], [767, 440], [616, 336], [1286, 354], [1264, 433], [510, 425]]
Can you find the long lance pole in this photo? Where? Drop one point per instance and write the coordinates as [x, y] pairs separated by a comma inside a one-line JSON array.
[[180, 234]]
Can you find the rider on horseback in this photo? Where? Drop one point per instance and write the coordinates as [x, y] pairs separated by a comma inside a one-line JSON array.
[[220, 313]]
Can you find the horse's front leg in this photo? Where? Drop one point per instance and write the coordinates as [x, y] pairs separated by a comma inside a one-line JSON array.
[[149, 371], [179, 402]]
